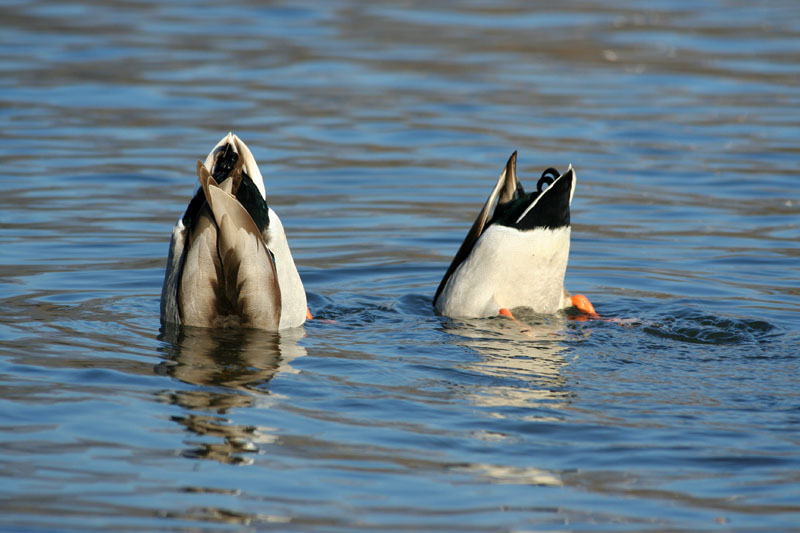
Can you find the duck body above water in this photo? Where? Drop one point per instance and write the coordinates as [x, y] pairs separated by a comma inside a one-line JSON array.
[[518, 256], [229, 262]]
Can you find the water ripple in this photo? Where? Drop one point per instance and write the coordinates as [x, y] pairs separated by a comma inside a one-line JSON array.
[[380, 129]]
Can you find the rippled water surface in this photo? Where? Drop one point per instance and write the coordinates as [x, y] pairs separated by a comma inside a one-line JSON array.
[[380, 129]]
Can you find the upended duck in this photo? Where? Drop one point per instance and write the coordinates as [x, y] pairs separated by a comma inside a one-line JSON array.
[[518, 257], [229, 262]]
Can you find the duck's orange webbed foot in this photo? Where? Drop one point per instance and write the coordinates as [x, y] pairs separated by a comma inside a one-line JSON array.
[[504, 311], [507, 313], [583, 304]]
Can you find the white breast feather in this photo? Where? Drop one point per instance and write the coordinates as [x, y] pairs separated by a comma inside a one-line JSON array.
[[293, 293], [509, 268]]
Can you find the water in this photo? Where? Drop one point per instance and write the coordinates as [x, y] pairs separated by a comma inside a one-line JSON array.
[[380, 130]]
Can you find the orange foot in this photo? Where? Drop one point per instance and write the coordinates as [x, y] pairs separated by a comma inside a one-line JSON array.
[[506, 313], [582, 302]]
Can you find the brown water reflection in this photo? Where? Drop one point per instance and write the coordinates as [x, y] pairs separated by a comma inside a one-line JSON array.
[[233, 368]]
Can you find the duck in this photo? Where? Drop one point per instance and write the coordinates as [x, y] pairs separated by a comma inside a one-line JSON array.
[[517, 257], [229, 262]]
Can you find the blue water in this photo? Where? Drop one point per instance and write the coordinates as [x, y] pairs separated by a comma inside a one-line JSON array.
[[380, 130]]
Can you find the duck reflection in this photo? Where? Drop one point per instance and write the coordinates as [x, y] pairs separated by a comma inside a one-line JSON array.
[[522, 362], [524, 358], [231, 368]]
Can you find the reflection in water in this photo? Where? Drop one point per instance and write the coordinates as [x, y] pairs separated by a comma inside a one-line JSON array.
[[514, 475], [525, 357], [524, 361], [231, 366]]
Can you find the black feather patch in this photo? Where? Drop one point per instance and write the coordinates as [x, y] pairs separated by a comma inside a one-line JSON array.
[[193, 209], [244, 189], [250, 198], [551, 210], [224, 162]]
